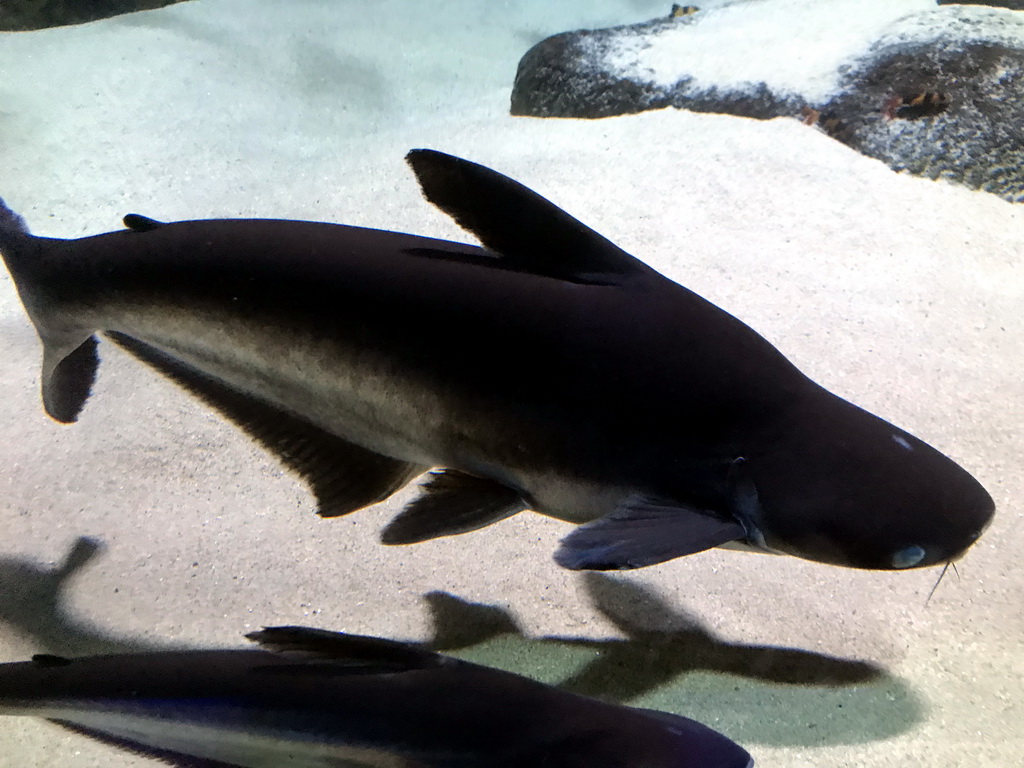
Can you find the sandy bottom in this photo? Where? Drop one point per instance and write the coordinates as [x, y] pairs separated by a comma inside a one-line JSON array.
[[901, 294]]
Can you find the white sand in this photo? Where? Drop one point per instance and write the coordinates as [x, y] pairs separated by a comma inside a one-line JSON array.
[[900, 293], [799, 48], [798, 45]]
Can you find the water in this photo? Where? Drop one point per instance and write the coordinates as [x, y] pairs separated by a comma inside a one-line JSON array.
[[900, 293]]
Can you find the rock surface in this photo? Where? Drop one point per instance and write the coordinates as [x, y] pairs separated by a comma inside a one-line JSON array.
[[974, 134], [1013, 5], [22, 15], [935, 92]]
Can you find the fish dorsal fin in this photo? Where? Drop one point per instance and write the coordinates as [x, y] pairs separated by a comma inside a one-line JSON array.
[[349, 651], [529, 231], [138, 223]]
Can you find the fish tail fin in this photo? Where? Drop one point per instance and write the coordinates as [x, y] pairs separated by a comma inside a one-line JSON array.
[[68, 377], [11, 224], [14, 239], [69, 354]]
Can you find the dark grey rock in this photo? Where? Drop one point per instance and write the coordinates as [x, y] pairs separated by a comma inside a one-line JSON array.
[[977, 139], [22, 15], [1013, 5], [564, 76], [567, 75], [940, 94]]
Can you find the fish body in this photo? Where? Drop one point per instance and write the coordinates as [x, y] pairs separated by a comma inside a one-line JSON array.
[[326, 700], [547, 369]]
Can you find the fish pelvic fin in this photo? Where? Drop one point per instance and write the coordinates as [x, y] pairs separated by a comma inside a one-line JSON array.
[[530, 232], [343, 476], [644, 531], [451, 503]]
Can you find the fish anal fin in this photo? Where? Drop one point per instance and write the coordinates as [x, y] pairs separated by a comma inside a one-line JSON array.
[[530, 232], [68, 377], [642, 532], [355, 651], [163, 756], [452, 502], [343, 476]]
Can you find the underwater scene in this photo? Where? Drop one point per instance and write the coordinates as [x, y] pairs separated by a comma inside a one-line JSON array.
[[516, 384]]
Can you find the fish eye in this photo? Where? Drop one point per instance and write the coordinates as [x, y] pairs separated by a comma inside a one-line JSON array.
[[908, 557]]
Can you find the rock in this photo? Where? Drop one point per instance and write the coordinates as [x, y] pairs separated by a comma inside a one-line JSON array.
[[935, 92], [671, 61], [568, 75], [967, 126], [1013, 5], [22, 15]]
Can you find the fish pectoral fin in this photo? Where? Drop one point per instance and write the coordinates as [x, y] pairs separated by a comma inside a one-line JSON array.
[[450, 503], [530, 232], [644, 531], [69, 372], [343, 476], [359, 653]]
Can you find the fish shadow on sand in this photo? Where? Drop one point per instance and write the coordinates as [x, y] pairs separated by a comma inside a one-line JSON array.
[[756, 694], [32, 604]]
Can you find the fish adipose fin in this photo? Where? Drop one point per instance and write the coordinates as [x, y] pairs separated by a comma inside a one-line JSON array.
[[354, 652], [344, 477], [642, 532], [138, 223], [452, 502], [50, 660], [530, 232]]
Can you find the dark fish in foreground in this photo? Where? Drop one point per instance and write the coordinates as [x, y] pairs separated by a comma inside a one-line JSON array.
[[324, 699], [548, 370]]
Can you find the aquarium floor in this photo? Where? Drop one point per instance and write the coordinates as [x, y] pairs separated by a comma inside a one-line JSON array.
[[901, 294]]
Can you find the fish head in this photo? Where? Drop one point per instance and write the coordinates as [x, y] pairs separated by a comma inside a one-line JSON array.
[[686, 742], [643, 738], [835, 484]]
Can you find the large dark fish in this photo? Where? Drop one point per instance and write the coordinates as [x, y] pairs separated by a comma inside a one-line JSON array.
[[329, 700], [547, 370]]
